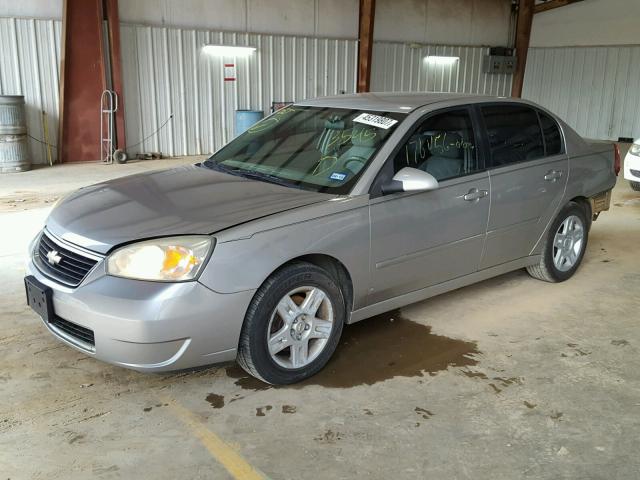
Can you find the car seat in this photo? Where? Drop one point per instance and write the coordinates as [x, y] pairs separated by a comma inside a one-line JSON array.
[[447, 156], [363, 145]]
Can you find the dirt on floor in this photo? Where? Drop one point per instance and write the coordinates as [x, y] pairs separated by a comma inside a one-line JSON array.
[[506, 379], [43, 185]]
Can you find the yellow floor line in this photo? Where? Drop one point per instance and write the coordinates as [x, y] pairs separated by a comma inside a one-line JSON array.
[[235, 464]]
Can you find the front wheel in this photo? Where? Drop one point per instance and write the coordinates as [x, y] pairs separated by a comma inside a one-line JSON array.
[[292, 326], [564, 245], [635, 186]]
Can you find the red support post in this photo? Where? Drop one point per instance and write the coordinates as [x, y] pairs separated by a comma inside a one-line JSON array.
[[523, 37], [82, 82], [365, 43], [115, 56]]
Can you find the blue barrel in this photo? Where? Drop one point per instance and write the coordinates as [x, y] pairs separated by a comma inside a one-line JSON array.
[[246, 118]]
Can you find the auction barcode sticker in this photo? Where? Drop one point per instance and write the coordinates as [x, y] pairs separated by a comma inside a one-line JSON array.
[[375, 120]]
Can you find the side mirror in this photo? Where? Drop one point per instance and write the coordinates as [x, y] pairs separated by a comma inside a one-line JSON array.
[[410, 180]]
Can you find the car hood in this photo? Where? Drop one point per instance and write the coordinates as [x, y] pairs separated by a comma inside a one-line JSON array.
[[184, 200]]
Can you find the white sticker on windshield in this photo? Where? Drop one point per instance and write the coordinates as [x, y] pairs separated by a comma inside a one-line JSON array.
[[375, 120]]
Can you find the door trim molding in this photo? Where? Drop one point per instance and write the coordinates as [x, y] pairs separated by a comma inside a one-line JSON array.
[[420, 253]]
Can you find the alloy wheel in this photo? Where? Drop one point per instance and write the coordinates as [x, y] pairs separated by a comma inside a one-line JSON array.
[[300, 327], [568, 243]]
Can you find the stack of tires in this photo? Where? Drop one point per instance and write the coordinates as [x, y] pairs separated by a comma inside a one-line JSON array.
[[14, 147]]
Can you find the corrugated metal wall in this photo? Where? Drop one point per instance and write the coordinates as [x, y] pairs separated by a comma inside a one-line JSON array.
[[166, 72], [596, 90], [401, 67], [30, 66]]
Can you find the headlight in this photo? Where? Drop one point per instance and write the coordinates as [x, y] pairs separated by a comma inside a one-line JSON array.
[[172, 259], [635, 149]]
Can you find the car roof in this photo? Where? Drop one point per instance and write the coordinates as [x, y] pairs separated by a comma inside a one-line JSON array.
[[392, 101]]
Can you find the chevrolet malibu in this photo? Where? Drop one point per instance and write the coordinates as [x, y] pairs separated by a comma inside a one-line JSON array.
[[323, 214]]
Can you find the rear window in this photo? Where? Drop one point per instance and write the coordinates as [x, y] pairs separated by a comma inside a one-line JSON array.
[[552, 136], [514, 134]]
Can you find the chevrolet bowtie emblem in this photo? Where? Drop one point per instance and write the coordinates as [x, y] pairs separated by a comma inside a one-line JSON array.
[[53, 257]]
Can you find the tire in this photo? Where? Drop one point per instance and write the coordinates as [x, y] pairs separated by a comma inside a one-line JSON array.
[[264, 321], [120, 156], [635, 186], [548, 269]]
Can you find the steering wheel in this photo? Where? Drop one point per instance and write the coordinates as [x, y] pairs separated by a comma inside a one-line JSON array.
[[324, 164]]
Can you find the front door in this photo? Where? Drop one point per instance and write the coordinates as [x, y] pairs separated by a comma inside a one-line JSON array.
[[422, 239], [528, 172]]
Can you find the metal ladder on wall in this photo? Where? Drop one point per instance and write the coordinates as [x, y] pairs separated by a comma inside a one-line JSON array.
[[108, 109]]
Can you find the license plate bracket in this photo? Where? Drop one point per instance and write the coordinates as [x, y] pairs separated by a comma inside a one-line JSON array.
[[39, 298]]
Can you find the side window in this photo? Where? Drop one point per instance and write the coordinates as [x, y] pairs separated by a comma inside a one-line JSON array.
[[514, 134], [552, 136], [443, 145]]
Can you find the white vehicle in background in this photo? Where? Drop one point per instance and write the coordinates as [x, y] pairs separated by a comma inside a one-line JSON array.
[[632, 165]]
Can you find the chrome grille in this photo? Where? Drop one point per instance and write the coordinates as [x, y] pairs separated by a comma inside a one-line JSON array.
[[67, 265]]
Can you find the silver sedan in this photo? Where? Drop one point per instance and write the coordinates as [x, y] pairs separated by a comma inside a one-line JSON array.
[[323, 214]]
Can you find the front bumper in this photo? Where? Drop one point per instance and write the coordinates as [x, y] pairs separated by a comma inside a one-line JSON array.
[[632, 168], [149, 326]]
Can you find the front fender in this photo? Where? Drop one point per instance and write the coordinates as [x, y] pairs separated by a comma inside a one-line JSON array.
[[245, 263]]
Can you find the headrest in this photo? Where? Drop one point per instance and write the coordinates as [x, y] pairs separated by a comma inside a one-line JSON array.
[[446, 144], [334, 124], [363, 136]]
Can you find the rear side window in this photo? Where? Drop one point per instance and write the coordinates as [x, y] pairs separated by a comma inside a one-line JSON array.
[[552, 137], [514, 134]]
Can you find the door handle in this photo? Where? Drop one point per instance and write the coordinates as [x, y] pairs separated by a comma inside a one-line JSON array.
[[475, 194], [553, 175]]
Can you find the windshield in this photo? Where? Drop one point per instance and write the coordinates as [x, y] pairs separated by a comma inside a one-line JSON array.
[[315, 148]]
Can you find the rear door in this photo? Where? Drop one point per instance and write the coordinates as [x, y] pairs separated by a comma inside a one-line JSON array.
[[528, 172], [422, 239]]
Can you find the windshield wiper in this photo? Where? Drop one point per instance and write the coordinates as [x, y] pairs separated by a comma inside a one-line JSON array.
[[252, 174], [265, 177], [213, 165]]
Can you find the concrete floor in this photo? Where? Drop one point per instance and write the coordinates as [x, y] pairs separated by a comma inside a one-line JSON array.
[[43, 185], [510, 378]]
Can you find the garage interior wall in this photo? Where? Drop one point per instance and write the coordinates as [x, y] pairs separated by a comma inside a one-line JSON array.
[[30, 66], [166, 72], [584, 65], [596, 90], [407, 31], [401, 67], [305, 48]]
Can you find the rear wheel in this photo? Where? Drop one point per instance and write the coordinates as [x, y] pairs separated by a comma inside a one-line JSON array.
[[292, 326], [564, 246], [635, 186]]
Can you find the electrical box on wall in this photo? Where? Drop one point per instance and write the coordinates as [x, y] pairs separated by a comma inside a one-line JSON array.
[[499, 60], [499, 64]]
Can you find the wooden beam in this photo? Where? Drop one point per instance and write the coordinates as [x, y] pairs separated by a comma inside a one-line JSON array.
[[365, 43], [551, 4], [523, 37]]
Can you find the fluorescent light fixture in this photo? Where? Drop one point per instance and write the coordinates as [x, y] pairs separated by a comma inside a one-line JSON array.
[[440, 60], [228, 50]]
